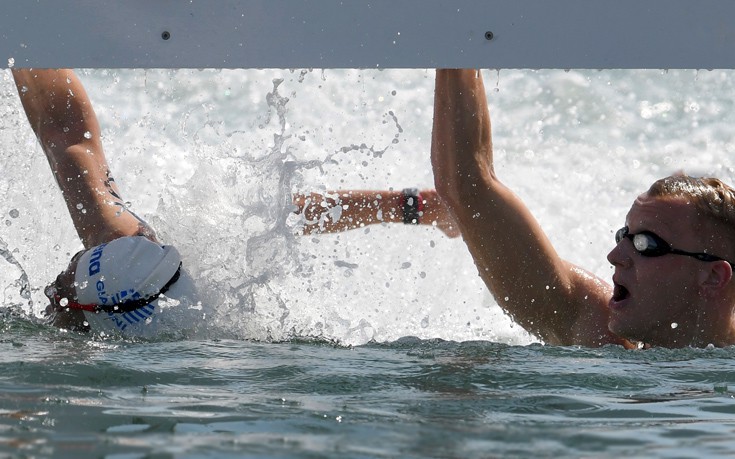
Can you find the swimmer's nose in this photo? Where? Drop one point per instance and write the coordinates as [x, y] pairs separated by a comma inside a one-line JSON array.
[[618, 256]]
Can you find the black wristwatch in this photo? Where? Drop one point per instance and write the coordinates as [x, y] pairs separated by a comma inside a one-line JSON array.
[[413, 206]]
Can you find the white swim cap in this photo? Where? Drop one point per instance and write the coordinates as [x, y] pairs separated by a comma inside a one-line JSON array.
[[125, 269]]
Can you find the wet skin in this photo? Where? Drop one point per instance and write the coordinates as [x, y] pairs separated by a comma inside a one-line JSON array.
[[657, 300], [64, 288]]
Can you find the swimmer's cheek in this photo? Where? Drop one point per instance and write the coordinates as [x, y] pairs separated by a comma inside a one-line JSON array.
[[71, 320]]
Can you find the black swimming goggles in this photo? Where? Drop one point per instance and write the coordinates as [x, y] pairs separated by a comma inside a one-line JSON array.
[[650, 244]]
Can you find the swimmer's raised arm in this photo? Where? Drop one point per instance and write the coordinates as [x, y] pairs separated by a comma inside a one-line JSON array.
[[61, 115], [545, 294], [343, 210]]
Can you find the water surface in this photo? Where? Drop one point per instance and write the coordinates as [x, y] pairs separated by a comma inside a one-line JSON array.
[[64, 396]]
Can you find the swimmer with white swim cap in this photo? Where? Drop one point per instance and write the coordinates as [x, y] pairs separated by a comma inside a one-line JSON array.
[[125, 281], [130, 286]]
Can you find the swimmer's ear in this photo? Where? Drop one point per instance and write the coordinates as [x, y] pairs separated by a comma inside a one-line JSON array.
[[716, 277]]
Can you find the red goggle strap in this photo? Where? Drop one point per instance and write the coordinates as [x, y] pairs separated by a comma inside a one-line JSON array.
[[74, 305]]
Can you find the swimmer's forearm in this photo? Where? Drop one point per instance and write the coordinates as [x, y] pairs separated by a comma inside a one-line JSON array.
[[461, 146], [61, 115], [337, 211], [57, 107]]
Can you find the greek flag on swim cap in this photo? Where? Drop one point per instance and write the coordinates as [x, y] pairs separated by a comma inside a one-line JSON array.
[[125, 269]]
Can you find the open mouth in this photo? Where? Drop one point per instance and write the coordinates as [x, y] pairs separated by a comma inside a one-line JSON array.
[[620, 293]]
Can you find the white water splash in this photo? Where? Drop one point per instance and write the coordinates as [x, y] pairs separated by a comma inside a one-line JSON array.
[[210, 159]]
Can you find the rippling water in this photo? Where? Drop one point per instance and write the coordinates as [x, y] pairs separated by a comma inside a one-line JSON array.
[[306, 352], [64, 396]]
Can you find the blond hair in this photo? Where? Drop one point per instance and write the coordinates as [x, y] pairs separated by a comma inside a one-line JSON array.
[[712, 198]]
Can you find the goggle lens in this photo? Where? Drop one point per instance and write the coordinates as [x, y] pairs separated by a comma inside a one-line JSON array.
[[645, 243]]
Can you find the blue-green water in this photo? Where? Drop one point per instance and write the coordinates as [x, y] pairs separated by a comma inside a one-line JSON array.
[[210, 159], [65, 396]]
